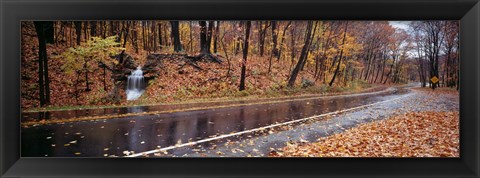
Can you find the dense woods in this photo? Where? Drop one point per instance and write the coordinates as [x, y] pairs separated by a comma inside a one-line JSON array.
[[68, 63]]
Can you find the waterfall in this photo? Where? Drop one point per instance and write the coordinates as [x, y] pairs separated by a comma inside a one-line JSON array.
[[135, 84]]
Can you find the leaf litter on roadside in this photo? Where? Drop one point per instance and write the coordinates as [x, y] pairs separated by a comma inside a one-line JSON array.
[[413, 134]]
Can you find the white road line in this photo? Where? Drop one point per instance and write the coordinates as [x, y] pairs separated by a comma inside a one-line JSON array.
[[259, 129]]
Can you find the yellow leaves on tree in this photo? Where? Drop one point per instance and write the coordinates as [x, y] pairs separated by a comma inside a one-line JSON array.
[[95, 50]]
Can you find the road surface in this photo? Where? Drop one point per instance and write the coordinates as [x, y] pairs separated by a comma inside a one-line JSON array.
[[187, 132]]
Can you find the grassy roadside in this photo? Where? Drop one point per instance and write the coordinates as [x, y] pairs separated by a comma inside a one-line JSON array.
[[247, 95]]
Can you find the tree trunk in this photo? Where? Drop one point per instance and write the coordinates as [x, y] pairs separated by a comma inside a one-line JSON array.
[[86, 77], [70, 32], [191, 36], [310, 44], [144, 41], [49, 33], [293, 76], [209, 36], [135, 37], [274, 47], [384, 58], [388, 75], [167, 41], [292, 54], [85, 31], [177, 45], [378, 73], [41, 58], [369, 59], [341, 55], [217, 31], [93, 28], [283, 39], [104, 75], [112, 28], [237, 45], [126, 29], [458, 63], [76, 87], [226, 54], [78, 30], [104, 29], [203, 37], [262, 34], [274, 39], [59, 34], [160, 41], [245, 54], [154, 38]]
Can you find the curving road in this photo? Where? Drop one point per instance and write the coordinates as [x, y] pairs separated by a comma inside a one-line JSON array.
[[144, 134]]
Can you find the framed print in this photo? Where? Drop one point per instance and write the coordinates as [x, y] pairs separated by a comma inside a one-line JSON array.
[[248, 88]]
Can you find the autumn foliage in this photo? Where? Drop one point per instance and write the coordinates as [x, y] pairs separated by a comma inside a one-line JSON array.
[[279, 58], [414, 134]]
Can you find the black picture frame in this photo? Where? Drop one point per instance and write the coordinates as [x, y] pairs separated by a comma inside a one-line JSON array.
[[14, 11]]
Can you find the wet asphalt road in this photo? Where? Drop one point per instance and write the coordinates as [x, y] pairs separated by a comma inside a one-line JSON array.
[[67, 114], [112, 137]]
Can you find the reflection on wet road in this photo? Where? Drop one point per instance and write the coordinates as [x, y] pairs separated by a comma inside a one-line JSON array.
[[142, 133], [67, 114]]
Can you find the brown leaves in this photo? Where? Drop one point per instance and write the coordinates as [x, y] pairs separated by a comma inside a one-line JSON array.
[[417, 134]]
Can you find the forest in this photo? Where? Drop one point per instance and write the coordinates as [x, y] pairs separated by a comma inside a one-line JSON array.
[[67, 64]]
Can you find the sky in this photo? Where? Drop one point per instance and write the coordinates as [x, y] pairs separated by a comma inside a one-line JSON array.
[[400, 24]]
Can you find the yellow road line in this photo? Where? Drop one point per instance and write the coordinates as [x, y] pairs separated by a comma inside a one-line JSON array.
[[54, 121]]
